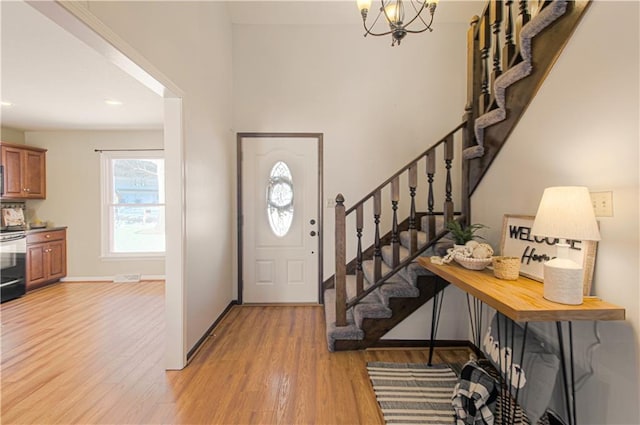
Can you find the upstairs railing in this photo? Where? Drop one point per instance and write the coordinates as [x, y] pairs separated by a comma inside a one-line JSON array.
[[373, 202], [494, 45]]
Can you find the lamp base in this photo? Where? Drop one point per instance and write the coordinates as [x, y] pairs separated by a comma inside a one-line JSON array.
[[563, 281]]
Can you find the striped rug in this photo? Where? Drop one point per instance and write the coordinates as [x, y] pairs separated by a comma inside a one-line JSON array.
[[413, 393]]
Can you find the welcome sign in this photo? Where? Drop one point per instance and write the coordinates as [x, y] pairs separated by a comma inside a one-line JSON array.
[[533, 251]]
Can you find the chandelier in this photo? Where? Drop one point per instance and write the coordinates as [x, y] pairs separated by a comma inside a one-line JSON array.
[[394, 13]]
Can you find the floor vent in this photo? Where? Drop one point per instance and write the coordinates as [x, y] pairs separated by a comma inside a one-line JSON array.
[[127, 278]]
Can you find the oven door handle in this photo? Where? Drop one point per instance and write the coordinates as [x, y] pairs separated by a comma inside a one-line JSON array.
[[13, 238], [12, 282]]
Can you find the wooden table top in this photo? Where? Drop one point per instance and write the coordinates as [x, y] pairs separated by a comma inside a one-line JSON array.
[[521, 300]]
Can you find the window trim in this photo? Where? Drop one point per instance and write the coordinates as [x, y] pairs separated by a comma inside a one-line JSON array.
[[106, 225]]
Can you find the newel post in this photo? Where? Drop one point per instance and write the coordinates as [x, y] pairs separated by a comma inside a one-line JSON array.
[[341, 263]]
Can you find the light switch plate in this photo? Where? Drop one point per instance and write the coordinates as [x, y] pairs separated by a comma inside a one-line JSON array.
[[602, 203]]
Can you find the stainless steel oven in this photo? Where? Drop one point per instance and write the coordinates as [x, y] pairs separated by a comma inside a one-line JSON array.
[[13, 252]]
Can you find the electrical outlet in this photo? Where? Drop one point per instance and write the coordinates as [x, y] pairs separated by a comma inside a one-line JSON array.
[[331, 203], [602, 203]]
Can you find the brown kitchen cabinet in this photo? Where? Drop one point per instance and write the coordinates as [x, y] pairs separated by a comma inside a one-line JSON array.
[[24, 172], [46, 257]]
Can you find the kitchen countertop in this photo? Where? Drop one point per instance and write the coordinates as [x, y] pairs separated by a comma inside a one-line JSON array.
[[46, 229]]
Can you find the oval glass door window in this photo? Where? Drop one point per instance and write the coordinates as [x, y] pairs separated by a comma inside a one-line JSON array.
[[280, 199]]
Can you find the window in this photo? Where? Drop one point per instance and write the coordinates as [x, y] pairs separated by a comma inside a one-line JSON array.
[[280, 199], [133, 202]]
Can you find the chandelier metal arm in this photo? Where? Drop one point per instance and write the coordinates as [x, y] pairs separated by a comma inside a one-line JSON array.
[[417, 31], [431, 11], [368, 30], [427, 27], [383, 9], [376, 34], [417, 16]]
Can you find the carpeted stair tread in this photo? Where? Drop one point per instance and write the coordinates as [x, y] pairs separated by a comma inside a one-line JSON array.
[[413, 271], [387, 254], [370, 311], [399, 289], [424, 223], [367, 268], [352, 290], [349, 332], [405, 239]]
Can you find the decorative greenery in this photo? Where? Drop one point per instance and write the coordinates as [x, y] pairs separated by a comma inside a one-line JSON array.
[[462, 235]]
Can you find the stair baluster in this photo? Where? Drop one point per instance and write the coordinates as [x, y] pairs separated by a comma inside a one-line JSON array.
[[474, 67], [395, 238], [448, 157], [485, 45], [509, 49], [521, 20], [413, 233], [495, 14], [431, 218], [341, 261], [359, 272], [377, 252]]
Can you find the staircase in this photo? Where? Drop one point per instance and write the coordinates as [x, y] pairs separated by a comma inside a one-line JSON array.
[[509, 54]]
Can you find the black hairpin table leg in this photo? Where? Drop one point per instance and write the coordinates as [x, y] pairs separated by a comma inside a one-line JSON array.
[[568, 381], [435, 316]]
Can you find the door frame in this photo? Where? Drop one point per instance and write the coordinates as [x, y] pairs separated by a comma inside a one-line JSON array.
[[319, 139]]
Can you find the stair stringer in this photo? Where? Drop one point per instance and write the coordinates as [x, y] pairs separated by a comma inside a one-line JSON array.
[[402, 307], [519, 94]]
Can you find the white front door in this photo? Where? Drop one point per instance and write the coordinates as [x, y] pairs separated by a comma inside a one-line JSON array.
[[280, 223]]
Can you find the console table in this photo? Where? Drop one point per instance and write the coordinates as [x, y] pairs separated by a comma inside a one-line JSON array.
[[522, 300]]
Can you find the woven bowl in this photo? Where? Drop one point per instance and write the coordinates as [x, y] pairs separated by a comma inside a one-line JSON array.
[[472, 263]]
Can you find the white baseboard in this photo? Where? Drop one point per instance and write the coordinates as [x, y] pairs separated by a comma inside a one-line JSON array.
[[108, 278]]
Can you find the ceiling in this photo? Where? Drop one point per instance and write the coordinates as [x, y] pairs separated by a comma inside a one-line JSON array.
[[55, 81]]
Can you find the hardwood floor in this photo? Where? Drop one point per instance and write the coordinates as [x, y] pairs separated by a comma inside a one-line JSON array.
[[92, 353]]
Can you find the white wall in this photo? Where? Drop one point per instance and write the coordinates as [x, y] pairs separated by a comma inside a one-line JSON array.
[[11, 135], [73, 196], [582, 129], [190, 42]]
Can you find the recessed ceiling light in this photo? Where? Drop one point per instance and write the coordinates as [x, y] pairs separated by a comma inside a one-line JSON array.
[[112, 102], [5, 103]]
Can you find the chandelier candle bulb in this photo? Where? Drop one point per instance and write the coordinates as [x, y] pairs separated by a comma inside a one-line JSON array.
[[364, 6], [394, 13]]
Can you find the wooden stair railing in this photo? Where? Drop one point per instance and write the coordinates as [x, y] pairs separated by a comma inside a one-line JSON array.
[[494, 47], [373, 200]]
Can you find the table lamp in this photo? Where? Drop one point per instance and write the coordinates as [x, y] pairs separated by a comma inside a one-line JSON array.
[[566, 214]]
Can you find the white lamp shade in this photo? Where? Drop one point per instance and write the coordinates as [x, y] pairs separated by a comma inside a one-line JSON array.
[[566, 212]]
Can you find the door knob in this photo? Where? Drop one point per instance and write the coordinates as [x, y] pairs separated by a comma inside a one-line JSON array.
[[312, 233], [312, 221]]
